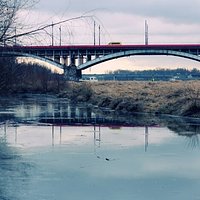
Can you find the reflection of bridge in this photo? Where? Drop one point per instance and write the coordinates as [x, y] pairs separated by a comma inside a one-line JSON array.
[[74, 59], [85, 121], [56, 133]]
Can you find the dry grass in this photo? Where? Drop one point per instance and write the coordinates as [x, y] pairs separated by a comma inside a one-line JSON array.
[[177, 98]]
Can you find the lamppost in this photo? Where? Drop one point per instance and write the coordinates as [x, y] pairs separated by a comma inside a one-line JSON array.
[[52, 35], [60, 29]]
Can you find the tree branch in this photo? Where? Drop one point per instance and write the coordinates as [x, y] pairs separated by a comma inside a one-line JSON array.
[[47, 26]]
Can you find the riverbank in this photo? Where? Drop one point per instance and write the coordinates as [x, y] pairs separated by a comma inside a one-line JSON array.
[[176, 98]]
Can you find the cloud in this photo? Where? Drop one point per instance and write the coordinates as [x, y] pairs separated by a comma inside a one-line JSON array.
[[179, 11], [169, 21]]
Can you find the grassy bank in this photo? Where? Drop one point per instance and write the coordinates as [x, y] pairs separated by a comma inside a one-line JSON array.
[[177, 98]]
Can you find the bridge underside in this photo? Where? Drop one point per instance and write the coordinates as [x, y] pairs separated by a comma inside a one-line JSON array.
[[138, 52], [73, 64], [71, 72], [46, 60]]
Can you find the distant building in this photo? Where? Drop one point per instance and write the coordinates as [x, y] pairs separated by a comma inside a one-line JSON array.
[[89, 78]]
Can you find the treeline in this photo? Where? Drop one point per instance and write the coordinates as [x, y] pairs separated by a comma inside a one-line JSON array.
[[161, 72], [21, 77], [157, 74]]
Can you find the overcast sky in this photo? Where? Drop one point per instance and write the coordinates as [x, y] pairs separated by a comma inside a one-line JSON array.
[[170, 21]]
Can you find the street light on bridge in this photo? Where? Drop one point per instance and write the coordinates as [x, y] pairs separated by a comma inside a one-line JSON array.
[[146, 33], [52, 35], [60, 35]]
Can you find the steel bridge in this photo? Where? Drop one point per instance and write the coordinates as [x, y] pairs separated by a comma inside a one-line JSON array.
[[75, 58]]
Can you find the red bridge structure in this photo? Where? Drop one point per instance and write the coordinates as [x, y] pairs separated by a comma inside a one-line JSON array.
[[75, 58]]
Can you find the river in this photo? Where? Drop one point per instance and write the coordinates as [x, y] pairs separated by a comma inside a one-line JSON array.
[[53, 150]]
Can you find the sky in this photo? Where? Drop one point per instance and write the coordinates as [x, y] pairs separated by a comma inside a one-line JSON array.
[[169, 22]]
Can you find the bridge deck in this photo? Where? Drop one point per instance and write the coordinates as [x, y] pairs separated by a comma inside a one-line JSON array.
[[100, 47], [104, 47]]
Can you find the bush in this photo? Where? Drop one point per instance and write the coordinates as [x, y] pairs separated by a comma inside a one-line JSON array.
[[192, 109], [129, 106]]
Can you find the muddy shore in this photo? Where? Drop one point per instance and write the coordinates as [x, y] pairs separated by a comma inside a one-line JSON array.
[[177, 98]]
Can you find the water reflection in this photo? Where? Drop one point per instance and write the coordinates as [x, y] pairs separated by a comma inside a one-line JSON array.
[[107, 157], [146, 138], [14, 169], [50, 110], [97, 137], [186, 127], [48, 144], [55, 132], [50, 134]]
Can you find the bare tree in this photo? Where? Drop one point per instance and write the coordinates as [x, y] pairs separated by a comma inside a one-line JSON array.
[[9, 10], [8, 17]]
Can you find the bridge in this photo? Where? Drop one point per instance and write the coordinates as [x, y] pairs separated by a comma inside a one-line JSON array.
[[75, 58]]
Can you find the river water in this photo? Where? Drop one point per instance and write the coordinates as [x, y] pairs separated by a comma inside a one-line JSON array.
[[53, 150]]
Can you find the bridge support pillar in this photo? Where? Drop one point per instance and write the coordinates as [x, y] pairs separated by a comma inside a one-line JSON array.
[[57, 59], [80, 60], [72, 60], [89, 57], [71, 73], [96, 56], [64, 60]]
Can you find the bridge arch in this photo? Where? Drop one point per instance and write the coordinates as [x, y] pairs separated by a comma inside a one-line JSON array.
[[137, 52], [20, 54]]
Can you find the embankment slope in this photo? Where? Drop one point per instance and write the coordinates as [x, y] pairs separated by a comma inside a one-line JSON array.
[[176, 98]]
